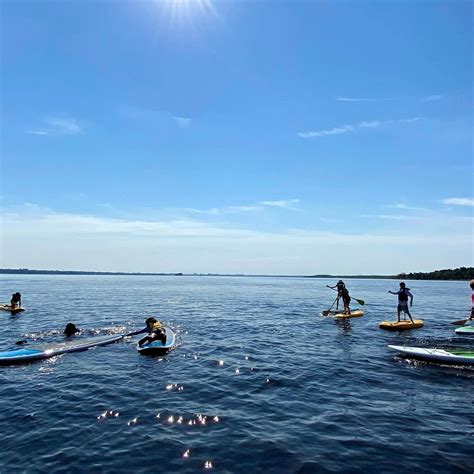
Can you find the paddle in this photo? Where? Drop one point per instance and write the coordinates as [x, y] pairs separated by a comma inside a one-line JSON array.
[[361, 302], [326, 313]]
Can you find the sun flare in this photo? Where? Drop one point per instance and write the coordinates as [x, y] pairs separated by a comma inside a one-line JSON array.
[[187, 8]]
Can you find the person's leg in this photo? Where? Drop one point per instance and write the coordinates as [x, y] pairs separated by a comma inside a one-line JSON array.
[[144, 340], [398, 312]]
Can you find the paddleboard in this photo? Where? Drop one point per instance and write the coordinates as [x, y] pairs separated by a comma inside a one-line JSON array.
[[452, 356], [157, 347], [7, 307], [19, 356], [354, 314], [401, 325], [465, 330]]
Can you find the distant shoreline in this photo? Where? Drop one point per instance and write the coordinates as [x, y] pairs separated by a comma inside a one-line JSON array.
[[458, 274]]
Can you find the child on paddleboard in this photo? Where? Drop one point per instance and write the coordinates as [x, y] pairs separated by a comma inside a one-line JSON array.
[[339, 287], [155, 332], [403, 294], [346, 299], [15, 302]]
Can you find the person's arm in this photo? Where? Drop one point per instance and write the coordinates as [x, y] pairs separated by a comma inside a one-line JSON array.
[[411, 298], [141, 331], [393, 292]]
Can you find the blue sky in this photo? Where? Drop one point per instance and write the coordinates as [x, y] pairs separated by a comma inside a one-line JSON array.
[[249, 137]]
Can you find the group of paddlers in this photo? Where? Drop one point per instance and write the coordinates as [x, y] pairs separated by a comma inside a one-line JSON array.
[[403, 294]]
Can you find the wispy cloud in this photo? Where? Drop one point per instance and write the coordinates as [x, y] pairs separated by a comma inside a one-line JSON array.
[[428, 98], [362, 99], [142, 113], [459, 201], [431, 98], [223, 210], [183, 122], [288, 204], [355, 127], [57, 126], [408, 208], [394, 217], [284, 204], [212, 211]]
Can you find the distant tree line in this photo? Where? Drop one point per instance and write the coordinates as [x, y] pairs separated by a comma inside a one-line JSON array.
[[27, 271], [462, 273]]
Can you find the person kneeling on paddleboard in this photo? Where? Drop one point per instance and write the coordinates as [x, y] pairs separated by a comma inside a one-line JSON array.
[[155, 331], [15, 302], [403, 294]]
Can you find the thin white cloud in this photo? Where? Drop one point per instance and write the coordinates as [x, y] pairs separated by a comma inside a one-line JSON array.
[[284, 204], [131, 112], [459, 201], [395, 217], [57, 126], [431, 98], [223, 210], [404, 206], [363, 99], [243, 208], [352, 99], [428, 98], [260, 206], [183, 122], [212, 211], [353, 128]]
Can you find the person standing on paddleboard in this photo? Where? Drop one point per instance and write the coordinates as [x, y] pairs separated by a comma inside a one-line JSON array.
[[346, 299], [403, 295], [339, 287]]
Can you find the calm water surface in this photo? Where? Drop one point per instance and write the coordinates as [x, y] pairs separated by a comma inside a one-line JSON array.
[[259, 382]]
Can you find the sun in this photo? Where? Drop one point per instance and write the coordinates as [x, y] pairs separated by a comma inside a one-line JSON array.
[[189, 8]]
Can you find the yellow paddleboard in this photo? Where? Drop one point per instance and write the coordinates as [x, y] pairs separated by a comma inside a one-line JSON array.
[[354, 314], [402, 325]]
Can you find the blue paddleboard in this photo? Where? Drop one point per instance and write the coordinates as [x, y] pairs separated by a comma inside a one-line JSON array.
[[157, 347], [31, 354]]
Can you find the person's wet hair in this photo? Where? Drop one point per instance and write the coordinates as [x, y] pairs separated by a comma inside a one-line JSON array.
[[70, 329]]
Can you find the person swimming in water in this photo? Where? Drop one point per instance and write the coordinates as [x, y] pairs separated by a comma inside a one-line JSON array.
[[70, 330], [403, 295]]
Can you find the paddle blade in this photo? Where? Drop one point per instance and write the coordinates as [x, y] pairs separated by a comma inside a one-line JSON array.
[[361, 302], [461, 322], [325, 313]]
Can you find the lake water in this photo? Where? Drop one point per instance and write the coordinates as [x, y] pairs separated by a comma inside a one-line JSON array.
[[259, 382]]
